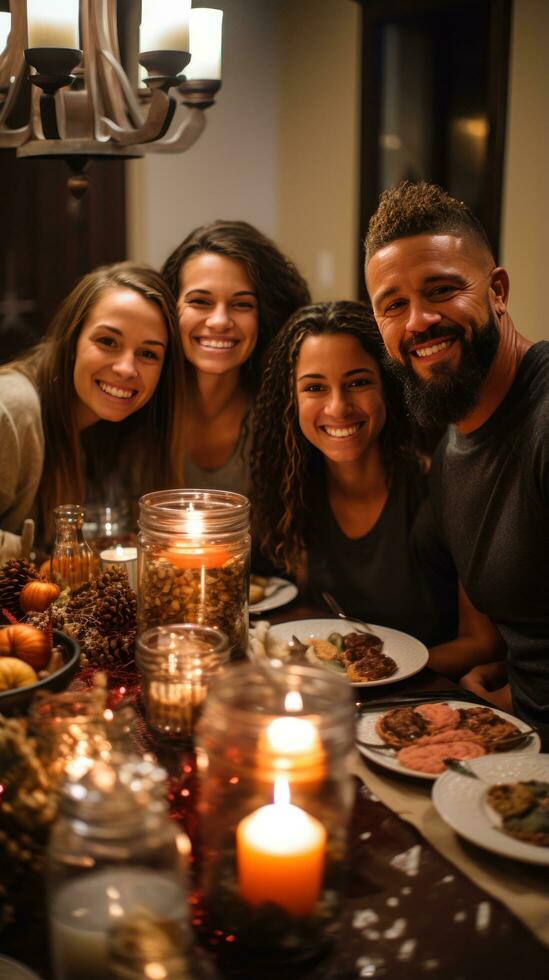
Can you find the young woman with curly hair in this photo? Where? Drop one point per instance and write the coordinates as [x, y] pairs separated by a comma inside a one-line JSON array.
[[234, 291], [92, 408], [340, 498]]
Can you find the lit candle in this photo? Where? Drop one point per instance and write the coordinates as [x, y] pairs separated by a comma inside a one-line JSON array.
[[205, 44], [85, 910], [164, 25], [291, 745], [195, 553], [5, 27], [52, 25], [280, 854], [120, 557]]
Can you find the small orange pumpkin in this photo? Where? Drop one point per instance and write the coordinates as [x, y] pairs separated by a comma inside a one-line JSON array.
[[27, 643], [36, 596], [14, 673]]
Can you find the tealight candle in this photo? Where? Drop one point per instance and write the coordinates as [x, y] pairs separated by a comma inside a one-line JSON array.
[[280, 854], [121, 557], [85, 910]]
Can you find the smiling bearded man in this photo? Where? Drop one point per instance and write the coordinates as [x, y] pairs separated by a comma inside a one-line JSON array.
[[440, 302]]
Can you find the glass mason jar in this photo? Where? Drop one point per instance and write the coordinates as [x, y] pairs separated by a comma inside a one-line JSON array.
[[272, 759], [75, 728], [176, 664], [112, 857], [73, 561], [193, 561]]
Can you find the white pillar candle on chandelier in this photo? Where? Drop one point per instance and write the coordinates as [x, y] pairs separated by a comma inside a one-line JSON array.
[[53, 25], [5, 27], [164, 25], [205, 44]]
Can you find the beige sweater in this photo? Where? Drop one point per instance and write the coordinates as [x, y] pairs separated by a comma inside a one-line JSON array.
[[21, 449]]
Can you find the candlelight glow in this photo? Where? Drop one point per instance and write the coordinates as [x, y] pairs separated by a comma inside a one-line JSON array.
[[280, 852], [194, 521], [293, 701], [292, 735]]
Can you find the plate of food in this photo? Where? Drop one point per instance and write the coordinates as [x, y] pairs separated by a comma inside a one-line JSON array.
[[368, 659], [270, 593], [505, 810], [414, 740]]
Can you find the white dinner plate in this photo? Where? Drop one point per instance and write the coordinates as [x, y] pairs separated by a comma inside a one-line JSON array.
[[366, 732], [462, 803], [409, 654], [281, 592]]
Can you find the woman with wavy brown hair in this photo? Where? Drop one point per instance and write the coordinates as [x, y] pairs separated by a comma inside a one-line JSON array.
[[340, 496], [234, 290], [94, 403]]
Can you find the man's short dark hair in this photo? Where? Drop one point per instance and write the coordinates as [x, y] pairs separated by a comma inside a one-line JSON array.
[[421, 209]]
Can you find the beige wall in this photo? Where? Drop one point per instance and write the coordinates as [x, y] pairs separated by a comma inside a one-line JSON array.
[[318, 142], [526, 187], [282, 148], [231, 171]]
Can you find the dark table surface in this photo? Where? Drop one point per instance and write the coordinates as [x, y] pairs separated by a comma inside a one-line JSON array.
[[402, 919]]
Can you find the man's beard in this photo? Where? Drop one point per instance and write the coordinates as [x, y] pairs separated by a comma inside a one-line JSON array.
[[450, 394]]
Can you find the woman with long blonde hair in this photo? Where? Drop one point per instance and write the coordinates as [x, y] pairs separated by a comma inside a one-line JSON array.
[[97, 402]]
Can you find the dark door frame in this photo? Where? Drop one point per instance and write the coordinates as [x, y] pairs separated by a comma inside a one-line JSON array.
[[375, 13]]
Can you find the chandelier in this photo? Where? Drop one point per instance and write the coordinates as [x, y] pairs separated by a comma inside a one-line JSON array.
[[60, 69]]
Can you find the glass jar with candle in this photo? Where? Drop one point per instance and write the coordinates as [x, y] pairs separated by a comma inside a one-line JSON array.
[[112, 855], [272, 758], [176, 664], [73, 561], [193, 561]]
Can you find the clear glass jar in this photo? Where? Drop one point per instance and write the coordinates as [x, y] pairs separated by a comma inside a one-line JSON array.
[[176, 664], [73, 561], [112, 855], [193, 561], [75, 728], [272, 760]]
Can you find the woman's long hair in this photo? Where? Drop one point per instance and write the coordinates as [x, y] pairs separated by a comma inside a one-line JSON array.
[[149, 439], [280, 289], [285, 466]]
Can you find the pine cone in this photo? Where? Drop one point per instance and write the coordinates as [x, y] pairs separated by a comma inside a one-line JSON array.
[[14, 574], [115, 609], [103, 651]]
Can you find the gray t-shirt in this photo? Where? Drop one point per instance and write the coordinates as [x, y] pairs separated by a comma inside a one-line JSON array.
[[233, 475], [490, 493]]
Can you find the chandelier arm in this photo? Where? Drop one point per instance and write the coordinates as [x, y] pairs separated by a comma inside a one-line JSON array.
[[118, 100], [159, 117], [133, 108], [184, 135], [12, 95]]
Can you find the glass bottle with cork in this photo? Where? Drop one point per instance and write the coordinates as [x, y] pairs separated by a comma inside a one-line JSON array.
[[73, 561]]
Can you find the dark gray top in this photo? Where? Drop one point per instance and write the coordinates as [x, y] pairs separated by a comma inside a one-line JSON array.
[[398, 574], [490, 493]]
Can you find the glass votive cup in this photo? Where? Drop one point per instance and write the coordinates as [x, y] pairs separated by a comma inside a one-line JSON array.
[[176, 664], [273, 759]]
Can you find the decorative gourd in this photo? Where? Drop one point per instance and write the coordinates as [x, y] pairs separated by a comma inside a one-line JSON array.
[[15, 673], [27, 643], [37, 596]]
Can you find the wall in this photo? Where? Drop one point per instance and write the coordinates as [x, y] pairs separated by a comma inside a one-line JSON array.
[[231, 172], [526, 187], [318, 142], [282, 148]]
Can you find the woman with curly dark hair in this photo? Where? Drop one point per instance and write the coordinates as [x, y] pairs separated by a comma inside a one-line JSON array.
[[340, 496], [234, 291]]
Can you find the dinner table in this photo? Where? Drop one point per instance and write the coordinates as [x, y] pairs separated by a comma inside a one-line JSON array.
[[419, 901]]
